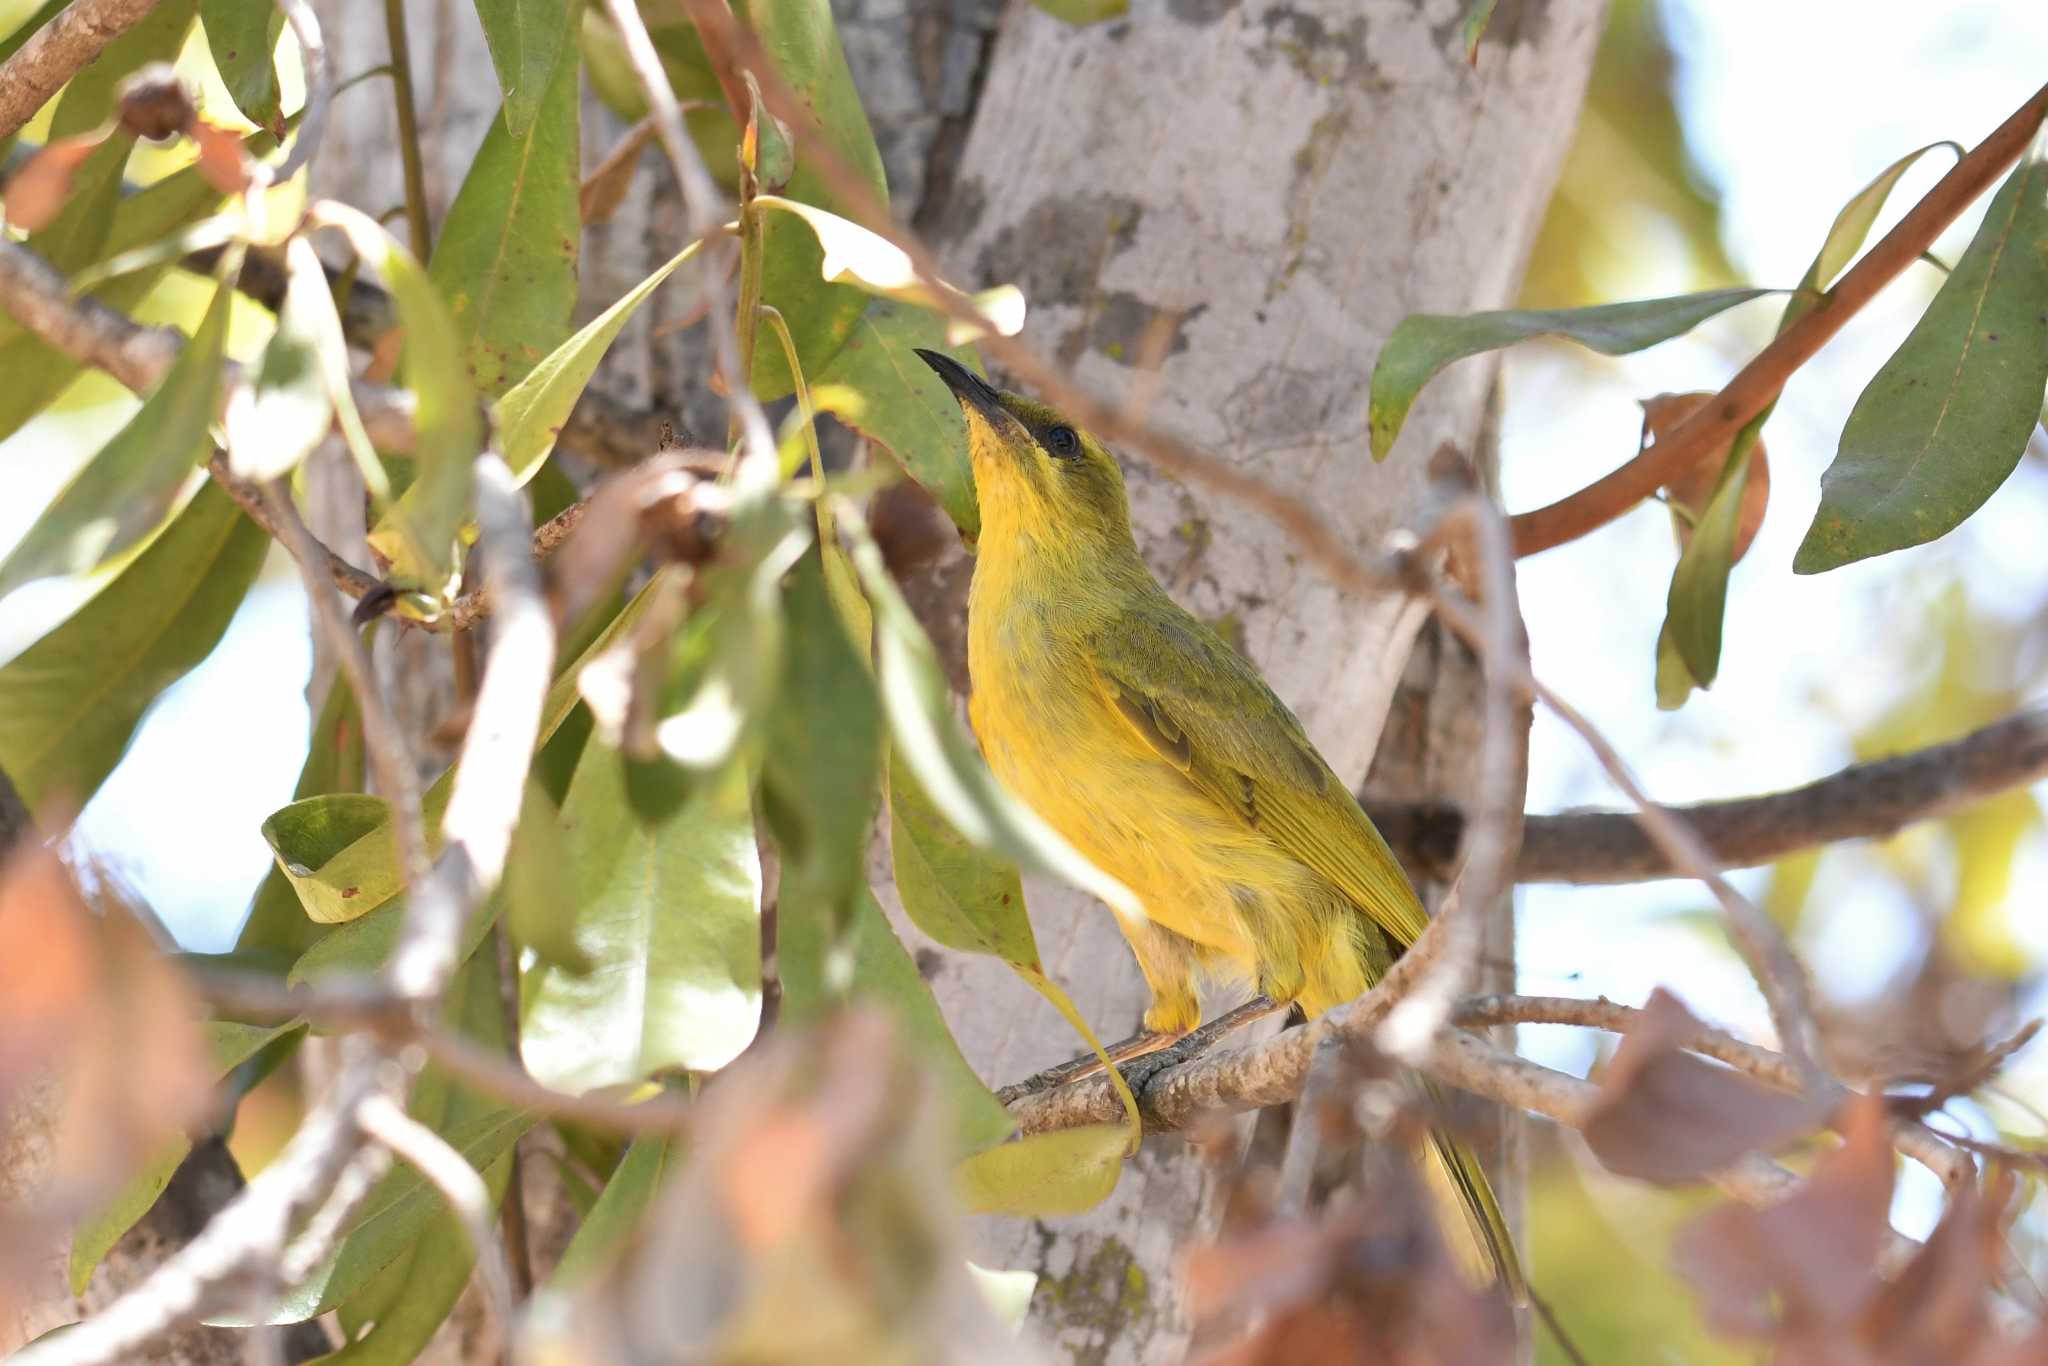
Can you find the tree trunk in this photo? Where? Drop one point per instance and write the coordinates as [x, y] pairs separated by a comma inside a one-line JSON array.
[[1257, 193]]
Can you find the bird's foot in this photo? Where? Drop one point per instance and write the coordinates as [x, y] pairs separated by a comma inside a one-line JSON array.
[[1139, 1073], [1144, 1055], [1088, 1064]]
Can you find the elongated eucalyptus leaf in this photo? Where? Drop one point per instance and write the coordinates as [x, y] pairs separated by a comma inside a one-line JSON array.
[[284, 410], [823, 966], [528, 41], [231, 1045], [1065, 1171], [877, 386], [625, 1201], [506, 257], [530, 414], [802, 42], [669, 917], [124, 492], [70, 702], [962, 895], [418, 533], [1946, 419], [1427, 342], [243, 39], [1852, 225]]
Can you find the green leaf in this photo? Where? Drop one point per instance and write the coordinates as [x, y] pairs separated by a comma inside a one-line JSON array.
[[821, 968], [1674, 681], [961, 895], [242, 35], [277, 924], [29, 26], [392, 1221], [1699, 587], [1063, 1172], [231, 1045], [365, 943], [626, 1200], [803, 46], [853, 255], [1948, 416], [1478, 14], [434, 1277], [506, 257], [527, 39], [1853, 224], [1427, 342], [540, 900], [339, 852], [70, 702], [1080, 12], [531, 413], [284, 410], [418, 533], [668, 913], [821, 762], [877, 386], [124, 492]]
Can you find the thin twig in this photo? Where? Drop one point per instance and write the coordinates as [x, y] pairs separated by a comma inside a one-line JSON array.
[[58, 51], [1757, 385], [418, 231], [446, 1170], [481, 1070], [1863, 801]]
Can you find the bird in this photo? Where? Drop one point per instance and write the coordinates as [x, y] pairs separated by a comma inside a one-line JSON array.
[[1160, 753]]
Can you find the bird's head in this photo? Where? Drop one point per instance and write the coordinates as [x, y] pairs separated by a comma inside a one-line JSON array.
[[1040, 480]]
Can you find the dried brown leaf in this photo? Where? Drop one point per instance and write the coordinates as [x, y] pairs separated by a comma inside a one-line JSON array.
[[37, 192], [1669, 1116]]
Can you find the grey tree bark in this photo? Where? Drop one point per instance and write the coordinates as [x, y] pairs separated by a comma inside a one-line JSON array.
[[1256, 191]]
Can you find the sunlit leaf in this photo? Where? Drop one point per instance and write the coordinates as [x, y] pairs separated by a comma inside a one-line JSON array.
[[70, 702], [338, 851], [877, 386], [231, 1045], [1853, 223], [531, 413], [1079, 12], [125, 491], [540, 898], [1425, 343], [242, 37], [1947, 418], [669, 918], [505, 259], [1008, 1293], [959, 894], [867, 962], [283, 410], [1063, 1172], [1979, 930], [277, 924], [418, 533], [528, 39]]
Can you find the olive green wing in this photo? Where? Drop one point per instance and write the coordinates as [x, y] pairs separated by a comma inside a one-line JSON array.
[[1205, 709]]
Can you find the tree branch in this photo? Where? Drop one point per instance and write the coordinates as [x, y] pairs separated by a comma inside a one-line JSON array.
[[1863, 801], [58, 51], [1757, 385]]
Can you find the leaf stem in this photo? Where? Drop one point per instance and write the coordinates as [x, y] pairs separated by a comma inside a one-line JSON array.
[[418, 235]]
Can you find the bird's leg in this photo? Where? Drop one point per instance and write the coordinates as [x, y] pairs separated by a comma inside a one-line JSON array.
[[1197, 1042], [1088, 1064]]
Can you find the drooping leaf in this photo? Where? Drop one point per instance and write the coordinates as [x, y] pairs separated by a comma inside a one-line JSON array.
[[530, 414], [1048, 1175], [822, 969], [277, 925], [124, 492], [1080, 12], [1478, 13], [1425, 343], [1699, 587], [418, 533], [283, 410], [821, 762], [339, 853], [958, 893], [231, 1045], [802, 44], [243, 39], [625, 1201], [1947, 418], [528, 39], [877, 386], [70, 702], [669, 917], [854, 255], [506, 257], [1853, 223]]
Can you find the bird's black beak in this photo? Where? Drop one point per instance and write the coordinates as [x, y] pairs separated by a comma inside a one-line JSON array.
[[971, 389]]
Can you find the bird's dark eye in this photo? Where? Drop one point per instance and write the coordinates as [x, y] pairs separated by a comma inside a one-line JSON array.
[[1063, 442]]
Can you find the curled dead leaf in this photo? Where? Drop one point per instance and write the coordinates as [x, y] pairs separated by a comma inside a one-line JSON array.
[[37, 192], [1690, 495], [1669, 1116]]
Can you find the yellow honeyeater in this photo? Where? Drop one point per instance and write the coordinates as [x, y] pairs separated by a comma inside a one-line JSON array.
[[1159, 753]]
